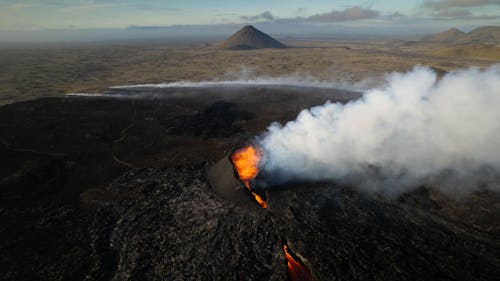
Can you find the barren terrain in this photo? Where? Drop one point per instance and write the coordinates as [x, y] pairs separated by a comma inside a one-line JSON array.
[[54, 71], [115, 187]]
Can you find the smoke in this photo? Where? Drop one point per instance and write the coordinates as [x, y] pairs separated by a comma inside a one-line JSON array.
[[248, 77], [416, 130], [259, 81], [84, 95]]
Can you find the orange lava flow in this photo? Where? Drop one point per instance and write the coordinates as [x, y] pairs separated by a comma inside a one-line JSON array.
[[246, 162], [296, 271], [259, 200]]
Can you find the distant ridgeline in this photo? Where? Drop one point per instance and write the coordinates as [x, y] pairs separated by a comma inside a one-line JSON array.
[[485, 34]]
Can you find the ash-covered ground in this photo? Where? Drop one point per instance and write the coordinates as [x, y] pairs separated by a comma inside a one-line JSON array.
[[115, 188]]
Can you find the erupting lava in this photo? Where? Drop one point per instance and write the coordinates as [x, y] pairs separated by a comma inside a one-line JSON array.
[[246, 161], [296, 271]]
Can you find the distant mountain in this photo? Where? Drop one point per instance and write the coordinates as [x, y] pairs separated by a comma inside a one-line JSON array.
[[485, 34], [449, 35], [250, 38]]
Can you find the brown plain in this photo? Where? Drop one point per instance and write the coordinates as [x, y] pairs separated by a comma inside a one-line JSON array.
[[54, 71]]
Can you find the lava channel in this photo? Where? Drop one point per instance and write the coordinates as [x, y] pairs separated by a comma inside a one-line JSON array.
[[296, 270]]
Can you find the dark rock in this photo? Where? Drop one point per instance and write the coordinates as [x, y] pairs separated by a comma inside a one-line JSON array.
[[178, 228], [215, 121], [72, 208]]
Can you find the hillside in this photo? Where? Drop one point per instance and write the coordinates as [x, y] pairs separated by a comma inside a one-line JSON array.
[[470, 51], [485, 34], [449, 35]]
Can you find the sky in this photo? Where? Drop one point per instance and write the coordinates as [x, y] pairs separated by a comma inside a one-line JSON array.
[[25, 17]]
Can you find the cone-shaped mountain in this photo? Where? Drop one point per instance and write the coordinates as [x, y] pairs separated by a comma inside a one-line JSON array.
[[250, 38]]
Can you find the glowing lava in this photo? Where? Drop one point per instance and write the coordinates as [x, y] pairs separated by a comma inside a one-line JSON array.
[[246, 162], [296, 271]]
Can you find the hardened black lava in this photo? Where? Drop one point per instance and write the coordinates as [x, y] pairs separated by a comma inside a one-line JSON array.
[[111, 188]]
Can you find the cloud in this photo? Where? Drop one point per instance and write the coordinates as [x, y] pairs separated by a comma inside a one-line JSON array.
[[150, 6], [454, 14], [447, 4], [226, 15], [84, 8], [262, 16], [461, 14], [483, 17], [19, 6], [300, 10], [41, 3], [349, 14], [79, 6], [396, 16]]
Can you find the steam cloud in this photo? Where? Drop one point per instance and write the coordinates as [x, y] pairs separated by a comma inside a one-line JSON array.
[[416, 130]]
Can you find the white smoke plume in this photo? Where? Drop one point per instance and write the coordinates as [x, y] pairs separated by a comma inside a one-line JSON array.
[[416, 130], [258, 81], [249, 77]]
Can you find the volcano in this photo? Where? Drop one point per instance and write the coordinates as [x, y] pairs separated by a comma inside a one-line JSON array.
[[250, 38], [231, 176], [74, 208]]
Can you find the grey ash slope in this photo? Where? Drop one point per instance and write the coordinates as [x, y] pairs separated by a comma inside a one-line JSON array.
[[250, 38]]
